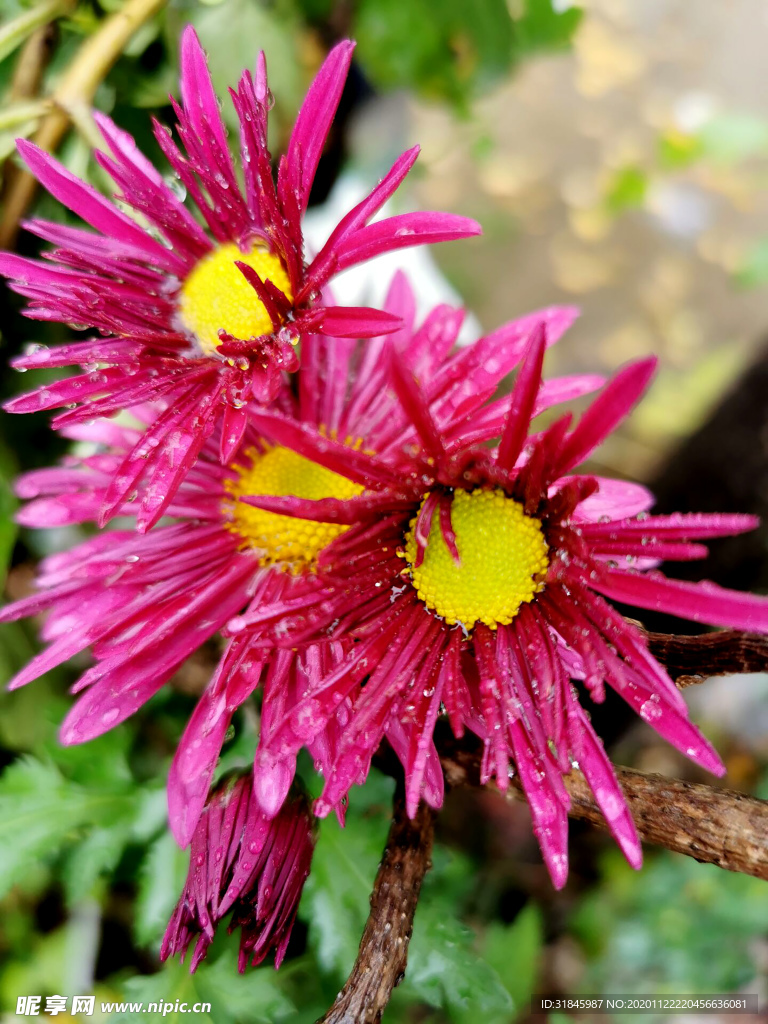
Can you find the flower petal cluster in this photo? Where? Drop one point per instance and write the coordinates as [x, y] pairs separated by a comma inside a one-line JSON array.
[[244, 864], [386, 543], [517, 682], [144, 603], [203, 318]]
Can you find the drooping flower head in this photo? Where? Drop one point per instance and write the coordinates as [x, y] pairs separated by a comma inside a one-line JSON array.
[[144, 603], [203, 318], [247, 864], [479, 581]]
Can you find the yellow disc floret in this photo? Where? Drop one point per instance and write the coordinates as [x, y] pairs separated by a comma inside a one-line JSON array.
[[281, 540], [216, 295], [503, 560]]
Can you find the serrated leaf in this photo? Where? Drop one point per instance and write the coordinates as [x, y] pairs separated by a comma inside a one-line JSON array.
[[161, 879], [250, 998], [150, 812], [95, 856], [42, 812], [172, 985], [445, 971], [100, 763]]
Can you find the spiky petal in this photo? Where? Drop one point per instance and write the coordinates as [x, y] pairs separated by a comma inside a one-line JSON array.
[[512, 684], [243, 863], [126, 283]]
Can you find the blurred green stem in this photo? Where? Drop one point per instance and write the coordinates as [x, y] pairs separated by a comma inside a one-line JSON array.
[[17, 113], [73, 95], [16, 31]]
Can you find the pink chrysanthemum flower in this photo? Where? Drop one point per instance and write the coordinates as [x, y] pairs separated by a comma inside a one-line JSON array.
[[145, 602], [478, 581], [203, 319], [244, 863]]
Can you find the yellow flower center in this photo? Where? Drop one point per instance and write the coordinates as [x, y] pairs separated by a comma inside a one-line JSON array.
[[216, 295], [286, 541], [503, 560]]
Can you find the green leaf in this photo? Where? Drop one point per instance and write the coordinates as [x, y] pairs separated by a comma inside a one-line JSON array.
[[680, 927], [161, 880], [21, 724], [250, 998], [42, 812], [316, 10], [95, 856], [15, 31], [8, 503], [173, 985], [514, 951], [41, 966], [335, 903], [100, 763], [444, 969], [15, 115], [447, 50], [541, 27]]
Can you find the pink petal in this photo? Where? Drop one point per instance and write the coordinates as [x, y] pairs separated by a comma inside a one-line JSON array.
[[314, 120]]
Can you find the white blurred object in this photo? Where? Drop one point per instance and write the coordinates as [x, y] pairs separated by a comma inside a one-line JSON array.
[[681, 209], [738, 704], [367, 284], [694, 109]]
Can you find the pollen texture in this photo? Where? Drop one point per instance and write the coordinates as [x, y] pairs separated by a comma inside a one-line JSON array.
[[283, 540], [216, 296], [503, 559]]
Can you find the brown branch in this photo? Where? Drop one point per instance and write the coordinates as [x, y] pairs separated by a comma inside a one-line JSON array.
[[715, 826], [32, 61], [74, 92], [383, 953], [690, 659], [25, 85]]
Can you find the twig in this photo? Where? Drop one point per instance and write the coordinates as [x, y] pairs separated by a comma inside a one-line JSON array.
[[31, 63], [74, 92], [16, 30], [691, 659], [383, 954], [715, 826], [25, 85]]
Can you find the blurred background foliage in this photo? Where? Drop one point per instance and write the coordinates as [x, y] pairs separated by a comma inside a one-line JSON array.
[[616, 152]]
